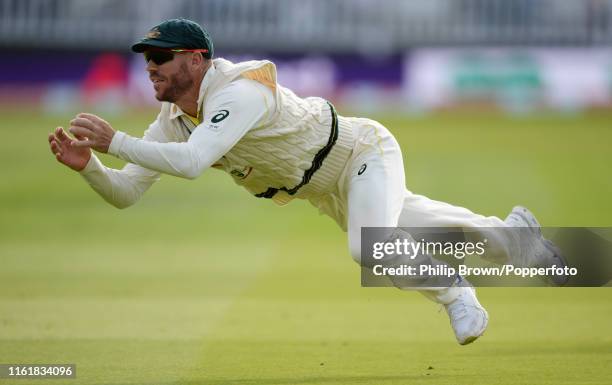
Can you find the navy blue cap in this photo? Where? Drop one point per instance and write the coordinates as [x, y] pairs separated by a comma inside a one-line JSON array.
[[177, 33]]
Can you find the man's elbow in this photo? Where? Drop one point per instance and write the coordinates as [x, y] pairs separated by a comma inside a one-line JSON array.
[[193, 164], [121, 203], [192, 174], [191, 171]]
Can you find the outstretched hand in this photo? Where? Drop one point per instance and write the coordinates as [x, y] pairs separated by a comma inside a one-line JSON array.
[[91, 131], [74, 157]]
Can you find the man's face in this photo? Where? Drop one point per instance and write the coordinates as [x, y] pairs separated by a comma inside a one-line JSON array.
[[171, 79]]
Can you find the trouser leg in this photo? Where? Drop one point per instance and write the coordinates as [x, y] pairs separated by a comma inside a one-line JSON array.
[[505, 244], [375, 198]]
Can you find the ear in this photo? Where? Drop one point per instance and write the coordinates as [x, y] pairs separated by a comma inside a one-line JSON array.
[[197, 59]]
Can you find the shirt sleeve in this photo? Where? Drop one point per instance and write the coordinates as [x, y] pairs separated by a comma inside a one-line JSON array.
[[124, 187], [229, 115]]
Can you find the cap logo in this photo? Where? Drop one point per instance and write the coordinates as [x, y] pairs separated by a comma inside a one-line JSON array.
[[153, 34]]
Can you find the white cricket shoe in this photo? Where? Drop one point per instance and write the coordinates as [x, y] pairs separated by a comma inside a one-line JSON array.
[[545, 252], [467, 316]]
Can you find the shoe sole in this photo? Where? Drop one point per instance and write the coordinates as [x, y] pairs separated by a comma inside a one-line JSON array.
[[485, 323], [471, 339]]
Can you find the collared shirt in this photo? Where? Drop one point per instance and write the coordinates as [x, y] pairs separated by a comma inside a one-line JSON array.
[[226, 116], [230, 114], [176, 111]]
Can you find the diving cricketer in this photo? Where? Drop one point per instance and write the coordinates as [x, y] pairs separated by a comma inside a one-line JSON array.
[[237, 118]]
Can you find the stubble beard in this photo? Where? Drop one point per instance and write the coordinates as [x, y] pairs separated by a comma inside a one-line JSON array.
[[178, 84]]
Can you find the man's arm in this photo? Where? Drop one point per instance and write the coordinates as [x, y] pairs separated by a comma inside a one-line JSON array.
[[229, 114], [121, 188]]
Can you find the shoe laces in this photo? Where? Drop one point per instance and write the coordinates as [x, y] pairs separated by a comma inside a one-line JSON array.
[[457, 309]]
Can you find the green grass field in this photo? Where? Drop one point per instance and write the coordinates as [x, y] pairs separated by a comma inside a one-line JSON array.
[[199, 283]]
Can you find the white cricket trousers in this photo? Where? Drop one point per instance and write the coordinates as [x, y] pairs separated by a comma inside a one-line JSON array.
[[373, 194]]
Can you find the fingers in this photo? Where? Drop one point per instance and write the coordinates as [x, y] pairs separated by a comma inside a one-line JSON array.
[[91, 131], [55, 148], [88, 126], [91, 117], [85, 127], [83, 122], [62, 136], [82, 143], [82, 128], [54, 144], [81, 132]]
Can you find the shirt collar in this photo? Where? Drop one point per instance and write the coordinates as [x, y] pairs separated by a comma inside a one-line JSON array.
[[175, 110]]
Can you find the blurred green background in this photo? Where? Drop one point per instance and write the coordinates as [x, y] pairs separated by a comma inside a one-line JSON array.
[[199, 283]]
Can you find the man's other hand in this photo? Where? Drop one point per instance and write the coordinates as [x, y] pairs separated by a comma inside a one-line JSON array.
[[74, 157], [91, 131]]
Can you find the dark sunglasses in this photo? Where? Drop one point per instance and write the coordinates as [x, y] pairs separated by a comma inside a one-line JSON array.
[[161, 56]]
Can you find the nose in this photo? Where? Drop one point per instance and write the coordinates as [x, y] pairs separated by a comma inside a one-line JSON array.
[[151, 66]]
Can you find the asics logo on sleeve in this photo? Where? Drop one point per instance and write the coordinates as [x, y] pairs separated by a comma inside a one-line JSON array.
[[217, 118], [222, 114]]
